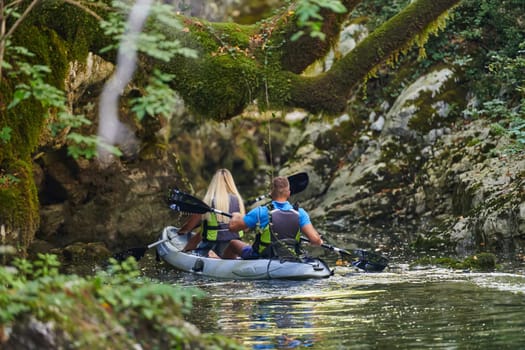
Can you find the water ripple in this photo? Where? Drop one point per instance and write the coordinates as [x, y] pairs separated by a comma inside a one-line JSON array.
[[431, 308]]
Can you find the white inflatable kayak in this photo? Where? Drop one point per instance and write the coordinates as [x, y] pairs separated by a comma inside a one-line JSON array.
[[172, 243]]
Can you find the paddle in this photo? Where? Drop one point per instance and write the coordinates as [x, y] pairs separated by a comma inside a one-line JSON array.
[[178, 201], [298, 183], [184, 202], [368, 261]]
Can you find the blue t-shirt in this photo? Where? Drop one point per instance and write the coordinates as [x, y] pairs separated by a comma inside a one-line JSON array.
[[260, 214]]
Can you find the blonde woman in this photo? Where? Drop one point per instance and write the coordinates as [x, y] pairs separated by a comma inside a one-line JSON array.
[[214, 236]]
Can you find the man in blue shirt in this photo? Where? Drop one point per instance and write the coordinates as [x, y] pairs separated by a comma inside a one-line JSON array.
[[287, 223]]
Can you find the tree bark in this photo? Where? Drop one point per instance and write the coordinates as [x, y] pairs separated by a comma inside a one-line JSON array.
[[329, 92]]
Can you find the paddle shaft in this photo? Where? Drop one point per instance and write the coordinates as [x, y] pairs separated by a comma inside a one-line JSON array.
[[216, 211], [160, 241], [330, 247]]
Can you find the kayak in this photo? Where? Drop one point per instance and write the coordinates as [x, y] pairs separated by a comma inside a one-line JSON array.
[[170, 250]]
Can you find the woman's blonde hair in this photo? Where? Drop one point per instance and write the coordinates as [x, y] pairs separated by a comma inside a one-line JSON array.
[[217, 195]]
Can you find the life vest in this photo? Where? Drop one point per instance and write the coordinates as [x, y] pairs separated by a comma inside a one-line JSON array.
[[213, 230], [282, 225]]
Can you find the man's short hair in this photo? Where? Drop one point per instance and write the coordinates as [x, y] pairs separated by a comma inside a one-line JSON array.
[[280, 187]]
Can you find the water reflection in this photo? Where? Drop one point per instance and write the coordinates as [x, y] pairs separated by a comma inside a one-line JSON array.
[[287, 324], [437, 309]]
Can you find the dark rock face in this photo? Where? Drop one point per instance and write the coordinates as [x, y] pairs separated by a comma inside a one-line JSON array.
[[119, 205]]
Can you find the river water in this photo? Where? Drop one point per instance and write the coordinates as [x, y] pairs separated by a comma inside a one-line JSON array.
[[400, 308]]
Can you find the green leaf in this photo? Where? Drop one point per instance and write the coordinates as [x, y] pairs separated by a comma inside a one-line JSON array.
[[18, 97], [5, 134], [297, 35]]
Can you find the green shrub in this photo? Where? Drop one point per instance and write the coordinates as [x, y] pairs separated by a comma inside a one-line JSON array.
[[115, 308]]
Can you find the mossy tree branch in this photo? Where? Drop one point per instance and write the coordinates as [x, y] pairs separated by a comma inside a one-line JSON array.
[[329, 92], [239, 64]]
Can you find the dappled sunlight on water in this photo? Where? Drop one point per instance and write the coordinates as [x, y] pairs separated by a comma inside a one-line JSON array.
[[400, 308]]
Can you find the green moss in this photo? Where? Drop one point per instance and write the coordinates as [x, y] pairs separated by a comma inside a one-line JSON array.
[[26, 120], [224, 78], [23, 121], [217, 37], [228, 86], [48, 49], [216, 86], [423, 35], [479, 262], [233, 33], [275, 92], [236, 66], [79, 30], [19, 205], [443, 261], [427, 117], [473, 142], [55, 39]]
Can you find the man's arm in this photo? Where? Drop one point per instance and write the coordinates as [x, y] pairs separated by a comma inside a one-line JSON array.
[[311, 233], [237, 222]]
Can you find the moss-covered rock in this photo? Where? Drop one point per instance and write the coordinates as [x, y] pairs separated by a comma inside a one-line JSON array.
[[481, 261], [478, 262], [54, 40], [19, 207]]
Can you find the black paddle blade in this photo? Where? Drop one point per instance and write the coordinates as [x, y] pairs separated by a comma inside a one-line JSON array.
[[298, 182], [137, 252], [184, 202], [369, 261]]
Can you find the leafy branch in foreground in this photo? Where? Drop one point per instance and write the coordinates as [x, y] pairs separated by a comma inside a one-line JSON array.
[[32, 84], [114, 309], [309, 17]]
